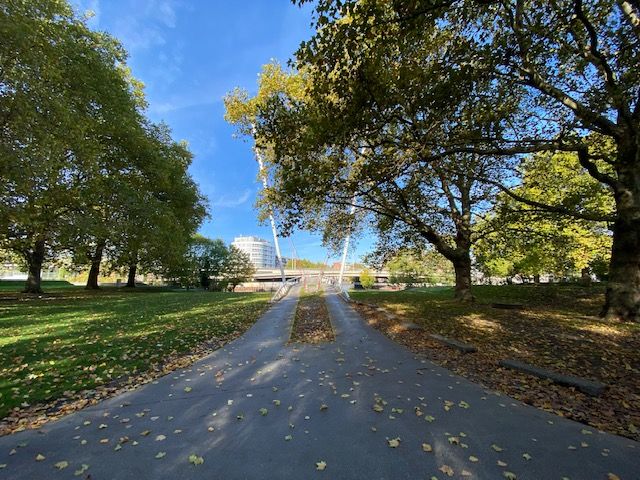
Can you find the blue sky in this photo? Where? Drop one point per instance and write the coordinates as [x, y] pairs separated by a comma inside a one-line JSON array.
[[189, 53]]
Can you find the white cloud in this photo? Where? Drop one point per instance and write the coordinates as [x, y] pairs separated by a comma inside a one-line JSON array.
[[229, 202], [167, 13], [143, 25]]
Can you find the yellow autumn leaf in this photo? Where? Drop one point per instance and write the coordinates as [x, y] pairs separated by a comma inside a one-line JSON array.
[[447, 470], [321, 465]]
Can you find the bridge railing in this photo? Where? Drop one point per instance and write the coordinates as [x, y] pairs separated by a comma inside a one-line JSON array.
[[283, 290]]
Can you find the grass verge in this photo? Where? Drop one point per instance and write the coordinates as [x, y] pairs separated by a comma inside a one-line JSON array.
[[312, 323], [79, 346], [558, 329]]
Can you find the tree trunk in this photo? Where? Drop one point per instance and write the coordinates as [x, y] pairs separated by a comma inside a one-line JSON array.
[[536, 279], [585, 277], [131, 278], [94, 271], [462, 267], [35, 259], [622, 301]]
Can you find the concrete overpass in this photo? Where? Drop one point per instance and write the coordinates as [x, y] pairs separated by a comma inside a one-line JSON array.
[[274, 275]]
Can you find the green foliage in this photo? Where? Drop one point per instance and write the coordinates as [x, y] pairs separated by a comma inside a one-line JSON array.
[[411, 267], [526, 241], [237, 268], [202, 265], [502, 79], [318, 167], [367, 280], [304, 263], [212, 265], [107, 335], [83, 172]]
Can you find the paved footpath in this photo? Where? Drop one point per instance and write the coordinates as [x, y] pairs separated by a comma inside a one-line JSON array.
[[319, 408]]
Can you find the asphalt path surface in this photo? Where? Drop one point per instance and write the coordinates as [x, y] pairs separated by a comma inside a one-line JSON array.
[[361, 407]]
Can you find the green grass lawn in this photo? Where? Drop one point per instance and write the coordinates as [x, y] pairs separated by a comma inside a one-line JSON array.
[[15, 286], [551, 329], [75, 339]]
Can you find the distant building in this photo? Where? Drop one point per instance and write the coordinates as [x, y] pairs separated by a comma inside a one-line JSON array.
[[260, 251]]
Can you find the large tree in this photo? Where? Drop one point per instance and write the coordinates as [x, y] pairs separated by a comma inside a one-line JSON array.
[[163, 208], [64, 97], [83, 172], [565, 69], [319, 166]]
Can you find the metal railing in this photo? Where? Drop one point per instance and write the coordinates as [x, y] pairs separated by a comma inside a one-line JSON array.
[[283, 290]]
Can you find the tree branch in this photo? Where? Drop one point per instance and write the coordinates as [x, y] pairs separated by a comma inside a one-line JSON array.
[[631, 11], [598, 59], [535, 80]]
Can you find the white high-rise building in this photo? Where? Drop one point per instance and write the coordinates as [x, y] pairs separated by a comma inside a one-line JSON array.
[[260, 251]]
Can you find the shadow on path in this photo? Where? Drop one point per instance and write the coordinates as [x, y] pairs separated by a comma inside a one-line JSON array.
[[212, 410]]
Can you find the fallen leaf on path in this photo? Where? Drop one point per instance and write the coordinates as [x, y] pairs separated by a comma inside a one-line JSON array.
[[447, 470], [83, 468], [321, 465], [61, 465], [195, 459]]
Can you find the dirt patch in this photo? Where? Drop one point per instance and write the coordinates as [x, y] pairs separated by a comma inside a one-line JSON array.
[[312, 323]]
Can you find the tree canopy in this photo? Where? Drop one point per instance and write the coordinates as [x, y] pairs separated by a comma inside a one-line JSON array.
[[84, 173], [395, 86]]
